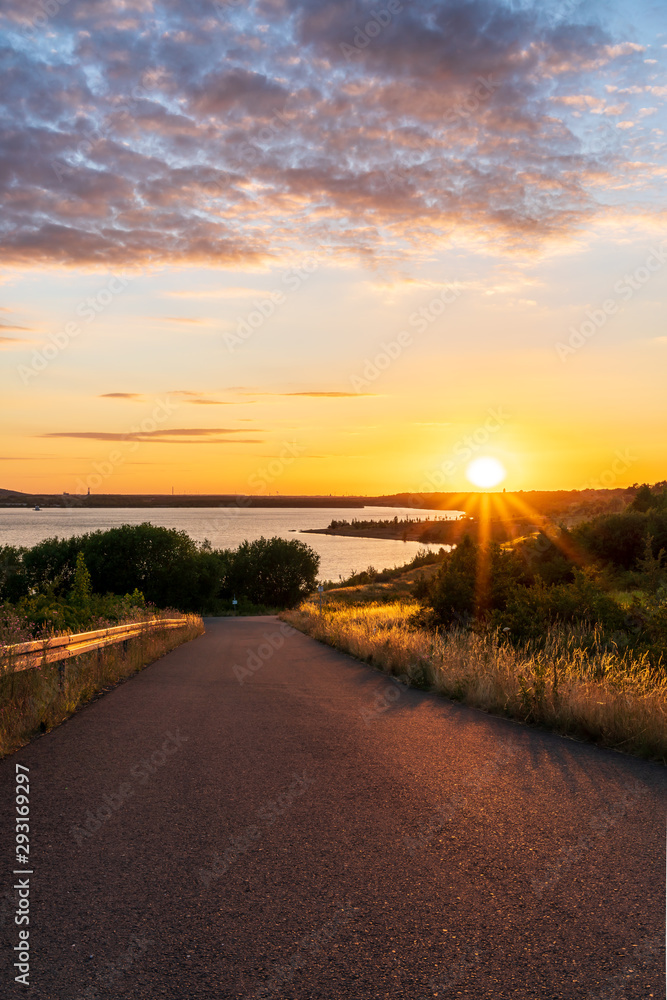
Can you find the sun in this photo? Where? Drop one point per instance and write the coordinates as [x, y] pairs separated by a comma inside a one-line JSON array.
[[485, 472]]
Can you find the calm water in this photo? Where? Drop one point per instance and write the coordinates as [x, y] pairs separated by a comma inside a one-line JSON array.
[[227, 527]]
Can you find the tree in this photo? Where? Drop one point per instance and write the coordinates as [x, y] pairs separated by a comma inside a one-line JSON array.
[[52, 564], [643, 500], [618, 539], [472, 581], [273, 572], [166, 565], [13, 579], [651, 567], [81, 592]]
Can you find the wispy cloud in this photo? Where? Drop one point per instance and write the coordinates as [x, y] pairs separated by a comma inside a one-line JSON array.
[[200, 399], [185, 396], [174, 435], [232, 292], [8, 342], [328, 395], [180, 319], [316, 394], [121, 395]]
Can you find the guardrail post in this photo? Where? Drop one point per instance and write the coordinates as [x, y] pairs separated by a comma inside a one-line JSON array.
[[62, 665]]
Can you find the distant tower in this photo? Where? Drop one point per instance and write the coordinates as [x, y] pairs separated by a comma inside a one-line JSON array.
[[89, 491]]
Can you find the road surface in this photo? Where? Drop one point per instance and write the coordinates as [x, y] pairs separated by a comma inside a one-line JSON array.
[[259, 816]]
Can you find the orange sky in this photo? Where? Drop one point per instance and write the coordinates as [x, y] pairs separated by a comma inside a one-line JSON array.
[[312, 272]]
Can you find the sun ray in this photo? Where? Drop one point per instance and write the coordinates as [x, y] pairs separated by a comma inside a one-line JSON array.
[[483, 575], [548, 528]]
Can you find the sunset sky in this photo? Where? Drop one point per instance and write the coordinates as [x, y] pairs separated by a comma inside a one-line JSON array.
[[304, 247]]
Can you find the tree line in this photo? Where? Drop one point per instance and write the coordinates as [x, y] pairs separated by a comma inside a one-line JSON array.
[[109, 572], [605, 579]]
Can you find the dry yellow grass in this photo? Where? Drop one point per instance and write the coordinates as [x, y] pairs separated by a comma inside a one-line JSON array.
[[33, 701], [600, 696]]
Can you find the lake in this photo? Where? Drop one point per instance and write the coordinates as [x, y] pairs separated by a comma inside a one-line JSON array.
[[227, 527]]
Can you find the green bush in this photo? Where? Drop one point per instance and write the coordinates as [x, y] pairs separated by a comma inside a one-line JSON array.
[[546, 559], [472, 581], [272, 571], [619, 540], [60, 577], [530, 611]]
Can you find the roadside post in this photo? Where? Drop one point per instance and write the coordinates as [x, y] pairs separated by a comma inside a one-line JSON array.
[[234, 603], [320, 588]]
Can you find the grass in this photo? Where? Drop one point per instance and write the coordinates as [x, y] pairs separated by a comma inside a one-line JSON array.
[[35, 701], [613, 700]]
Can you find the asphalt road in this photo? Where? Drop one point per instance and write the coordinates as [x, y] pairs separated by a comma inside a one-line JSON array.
[[320, 831]]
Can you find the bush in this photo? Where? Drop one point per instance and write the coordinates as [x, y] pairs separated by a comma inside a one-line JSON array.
[[546, 560], [58, 579], [616, 538], [273, 572], [472, 581], [531, 611], [650, 498]]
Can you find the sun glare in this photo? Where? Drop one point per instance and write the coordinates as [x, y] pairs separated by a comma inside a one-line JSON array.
[[485, 472]]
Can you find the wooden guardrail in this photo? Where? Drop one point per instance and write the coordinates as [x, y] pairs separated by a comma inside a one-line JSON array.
[[30, 655]]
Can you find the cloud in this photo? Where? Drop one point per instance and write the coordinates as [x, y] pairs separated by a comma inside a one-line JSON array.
[[210, 402], [231, 292], [237, 89], [186, 396], [314, 394], [7, 343], [327, 395], [121, 395], [173, 435], [141, 132], [180, 319], [199, 399]]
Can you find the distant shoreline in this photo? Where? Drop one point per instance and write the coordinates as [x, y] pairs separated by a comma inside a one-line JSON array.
[[566, 505], [427, 531]]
